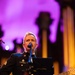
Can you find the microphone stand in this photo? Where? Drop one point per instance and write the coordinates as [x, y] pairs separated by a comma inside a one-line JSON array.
[[30, 61], [30, 57]]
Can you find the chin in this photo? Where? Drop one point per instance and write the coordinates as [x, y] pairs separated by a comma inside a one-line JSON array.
[[28, 50]]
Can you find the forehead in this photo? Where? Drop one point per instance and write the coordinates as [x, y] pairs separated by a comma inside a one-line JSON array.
[[30, 36]]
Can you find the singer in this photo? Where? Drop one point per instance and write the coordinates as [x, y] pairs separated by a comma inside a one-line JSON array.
[[18, 62]]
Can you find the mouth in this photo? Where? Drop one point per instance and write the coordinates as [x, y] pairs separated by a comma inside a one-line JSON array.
[[30, 45]]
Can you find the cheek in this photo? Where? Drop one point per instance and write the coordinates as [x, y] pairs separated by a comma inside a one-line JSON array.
[[24, 45], [35, 45]]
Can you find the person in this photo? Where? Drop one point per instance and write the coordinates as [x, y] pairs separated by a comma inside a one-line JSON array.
[[17, 63]]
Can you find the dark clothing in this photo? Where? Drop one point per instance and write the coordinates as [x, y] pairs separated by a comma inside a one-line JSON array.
[[17, 64]]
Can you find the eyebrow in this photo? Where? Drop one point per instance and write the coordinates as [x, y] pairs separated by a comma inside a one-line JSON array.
[[31, 39]]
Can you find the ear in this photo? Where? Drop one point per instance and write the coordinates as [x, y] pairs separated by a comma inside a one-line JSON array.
[[23, 45], [36, 45]]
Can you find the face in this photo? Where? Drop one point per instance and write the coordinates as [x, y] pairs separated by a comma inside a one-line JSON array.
[[30, 39]]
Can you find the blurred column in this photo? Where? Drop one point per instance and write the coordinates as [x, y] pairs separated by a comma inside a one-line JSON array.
[[3, 61], [70, 20], [65, 37], [56, 68], [43, 21], [68, 35]]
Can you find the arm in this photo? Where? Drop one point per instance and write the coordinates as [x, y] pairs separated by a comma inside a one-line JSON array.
[[7, 68]]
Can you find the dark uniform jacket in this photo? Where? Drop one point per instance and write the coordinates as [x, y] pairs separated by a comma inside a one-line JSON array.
[[17, 64]]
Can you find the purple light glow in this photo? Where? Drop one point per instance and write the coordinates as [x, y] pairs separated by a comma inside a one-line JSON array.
[[18, 17]]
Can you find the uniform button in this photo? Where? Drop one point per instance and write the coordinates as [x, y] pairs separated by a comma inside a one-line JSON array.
[[21, 64], [24, 55], [23, 60]]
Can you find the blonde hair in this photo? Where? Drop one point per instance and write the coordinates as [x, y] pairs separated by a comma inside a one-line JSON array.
[[29, 33]]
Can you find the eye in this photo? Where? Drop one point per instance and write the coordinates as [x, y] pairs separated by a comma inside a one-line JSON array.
[[33, 40], [27, 40]]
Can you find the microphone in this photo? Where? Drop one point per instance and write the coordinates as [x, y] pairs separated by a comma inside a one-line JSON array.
[[30, 45]]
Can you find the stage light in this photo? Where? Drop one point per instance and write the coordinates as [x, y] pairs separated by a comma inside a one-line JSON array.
[[7, 47]]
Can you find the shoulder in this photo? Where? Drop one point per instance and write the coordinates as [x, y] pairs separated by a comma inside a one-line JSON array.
[[16, 55]]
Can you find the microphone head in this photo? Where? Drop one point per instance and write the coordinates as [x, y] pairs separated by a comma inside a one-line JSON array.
[[29, 45]]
